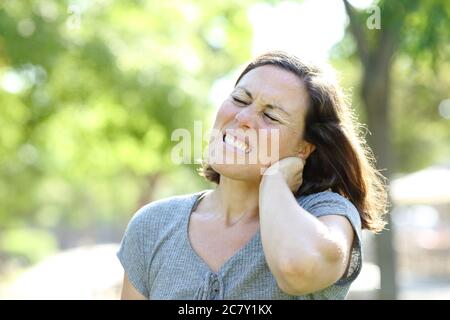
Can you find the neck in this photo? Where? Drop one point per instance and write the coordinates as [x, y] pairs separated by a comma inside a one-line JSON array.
[[236, 201]]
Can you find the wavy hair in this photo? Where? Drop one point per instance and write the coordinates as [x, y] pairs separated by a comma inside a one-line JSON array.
[[342, 161]]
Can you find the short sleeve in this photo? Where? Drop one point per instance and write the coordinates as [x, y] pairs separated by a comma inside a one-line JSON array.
[[330, 203], [131, 253]]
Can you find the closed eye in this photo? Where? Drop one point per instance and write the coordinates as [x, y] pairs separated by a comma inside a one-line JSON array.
[[239, 100], [270, 117]]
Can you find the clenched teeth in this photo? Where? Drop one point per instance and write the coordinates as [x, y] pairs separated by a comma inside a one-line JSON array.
[[236, 143]]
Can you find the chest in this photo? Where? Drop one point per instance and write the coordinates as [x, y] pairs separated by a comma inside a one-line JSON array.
[[216, 244]]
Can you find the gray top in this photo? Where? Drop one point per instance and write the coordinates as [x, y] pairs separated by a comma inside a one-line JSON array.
[[161, 264]]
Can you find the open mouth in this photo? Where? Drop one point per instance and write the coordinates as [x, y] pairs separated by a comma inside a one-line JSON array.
[[236, 143]]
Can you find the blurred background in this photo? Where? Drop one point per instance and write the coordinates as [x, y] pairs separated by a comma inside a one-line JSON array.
[[90, 92]]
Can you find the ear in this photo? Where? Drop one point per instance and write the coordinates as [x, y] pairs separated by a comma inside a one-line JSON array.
[[305, 150]]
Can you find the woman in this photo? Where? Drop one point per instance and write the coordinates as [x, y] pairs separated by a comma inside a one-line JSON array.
[[288, 227]]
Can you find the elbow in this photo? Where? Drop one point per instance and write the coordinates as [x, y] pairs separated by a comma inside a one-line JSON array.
[[295, 277], [309, 274]]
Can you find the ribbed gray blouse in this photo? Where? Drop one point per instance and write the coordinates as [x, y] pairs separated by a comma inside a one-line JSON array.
[[157, 256]]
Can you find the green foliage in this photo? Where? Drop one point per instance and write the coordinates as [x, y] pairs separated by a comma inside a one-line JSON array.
[[420, 134], [29, 244], [89, 97], [419, 77]]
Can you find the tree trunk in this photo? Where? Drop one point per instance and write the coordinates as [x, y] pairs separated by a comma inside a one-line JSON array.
[[148, 189], [376, 61], [375, 93]]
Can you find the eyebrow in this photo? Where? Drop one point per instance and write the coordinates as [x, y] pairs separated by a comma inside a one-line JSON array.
[[270, 106]]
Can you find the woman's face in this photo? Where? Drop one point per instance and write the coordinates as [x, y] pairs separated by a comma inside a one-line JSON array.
[[261, 122]]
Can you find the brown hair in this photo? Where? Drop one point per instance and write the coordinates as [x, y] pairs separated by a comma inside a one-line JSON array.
[[341, 161]]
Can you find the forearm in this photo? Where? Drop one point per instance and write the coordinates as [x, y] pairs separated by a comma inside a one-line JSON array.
[[298, 247]]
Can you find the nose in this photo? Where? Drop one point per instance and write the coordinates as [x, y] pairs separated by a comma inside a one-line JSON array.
[[245, 118]]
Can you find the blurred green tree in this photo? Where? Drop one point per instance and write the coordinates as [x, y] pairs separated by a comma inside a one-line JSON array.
[[416, 32], [90, 92]]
